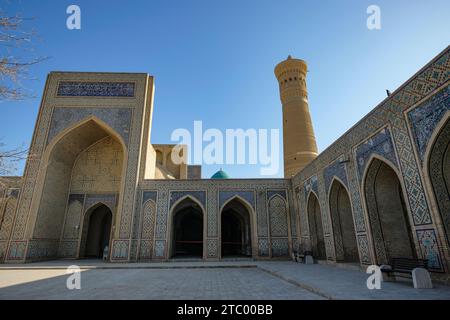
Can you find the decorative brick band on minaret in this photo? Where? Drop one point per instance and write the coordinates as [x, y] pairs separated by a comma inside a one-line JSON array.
[[299, 142]]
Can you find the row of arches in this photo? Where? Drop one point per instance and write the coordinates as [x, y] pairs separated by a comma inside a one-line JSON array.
[[188, 228], [386, 210], [383, 196]]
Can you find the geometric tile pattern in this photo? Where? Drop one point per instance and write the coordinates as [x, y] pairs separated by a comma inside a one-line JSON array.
[[176, 195], [425, 117], [95, 89], [335, 169], [280, 247], [429, 247], [380, 144], [278, 217], [225, 195], [119, 119]]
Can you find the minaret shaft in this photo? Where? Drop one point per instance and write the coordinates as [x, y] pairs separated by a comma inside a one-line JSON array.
[[299, 142]]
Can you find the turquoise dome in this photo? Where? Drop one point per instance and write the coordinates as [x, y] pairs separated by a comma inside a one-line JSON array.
[[220, 175]]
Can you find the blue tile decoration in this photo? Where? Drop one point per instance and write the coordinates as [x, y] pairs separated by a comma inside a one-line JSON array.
[[380, 144], [429, 247], [149, 195], [425, 117], [119, 119], [335, 169], [95, 89], [198, 195], [281, 193], [249, 196], [107, 199], [311, 185]]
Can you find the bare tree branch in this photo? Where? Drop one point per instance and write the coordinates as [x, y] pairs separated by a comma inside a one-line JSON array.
[[17, 40], [16, 57]]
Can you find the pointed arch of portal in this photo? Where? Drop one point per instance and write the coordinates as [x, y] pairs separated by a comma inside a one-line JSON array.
[[342, 221], [387, 211], [53, 183], [237, 225]]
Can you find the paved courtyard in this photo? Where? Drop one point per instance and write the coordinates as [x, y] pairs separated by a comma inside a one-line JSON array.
[[201, 280]]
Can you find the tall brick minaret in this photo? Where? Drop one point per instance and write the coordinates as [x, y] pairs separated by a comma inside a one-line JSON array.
[[299, 142]]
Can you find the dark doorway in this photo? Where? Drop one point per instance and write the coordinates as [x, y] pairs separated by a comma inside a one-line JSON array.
[[387, 213], [99, 229], [187, 230], [235, 230], [315, 228], [343, 226]]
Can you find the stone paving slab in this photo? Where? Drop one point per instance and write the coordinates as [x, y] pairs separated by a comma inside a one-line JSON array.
[[246, 279], [338, 283], [207, 284]]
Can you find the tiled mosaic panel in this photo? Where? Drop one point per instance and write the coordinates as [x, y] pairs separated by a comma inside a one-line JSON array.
[[120, 249], [95, 89], [3, 250], [212, 248], [149, 195], [68, 249], [263, 247], [159, 249], [119, 119], [281, 193], [355, 197], [145, 250], [109, 200], [429, 248], [280, 247], [311, 185], [225, 195], [212, 208], [40, 249], [7, 218], [278, 217], [363, 247], [261, 213], [16, 250], [380, 144], [425, 117], [177, 195], [336, 169], [148, 220]]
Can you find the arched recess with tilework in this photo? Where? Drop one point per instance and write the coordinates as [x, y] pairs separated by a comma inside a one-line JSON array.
[[387, 212], [316, 227], [437, 173], [342, 221], [62, 159]]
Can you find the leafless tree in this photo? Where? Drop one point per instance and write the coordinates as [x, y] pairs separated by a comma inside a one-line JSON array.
[[16, 57]]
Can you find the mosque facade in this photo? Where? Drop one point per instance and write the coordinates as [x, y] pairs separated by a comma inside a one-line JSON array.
[[95, 186]]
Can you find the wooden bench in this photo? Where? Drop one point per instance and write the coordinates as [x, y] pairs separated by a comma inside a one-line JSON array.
[[404, 266]]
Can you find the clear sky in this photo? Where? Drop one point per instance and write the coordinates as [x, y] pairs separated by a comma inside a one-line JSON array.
[[213, 60]]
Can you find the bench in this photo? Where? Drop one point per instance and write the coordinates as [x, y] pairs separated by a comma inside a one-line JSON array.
[[414, 268], [404, 265], [300, 257]]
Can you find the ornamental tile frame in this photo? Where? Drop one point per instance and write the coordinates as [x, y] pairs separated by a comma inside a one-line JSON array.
[[399, 131]]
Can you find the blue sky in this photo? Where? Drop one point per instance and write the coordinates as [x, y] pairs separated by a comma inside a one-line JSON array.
[[213, 60]]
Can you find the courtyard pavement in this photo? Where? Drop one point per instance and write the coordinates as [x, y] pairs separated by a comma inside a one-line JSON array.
[[246, 279]]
